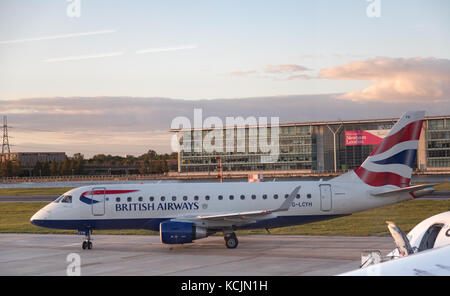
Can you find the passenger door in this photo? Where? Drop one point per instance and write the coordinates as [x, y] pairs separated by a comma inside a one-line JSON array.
[[325, 197], [98, 201]]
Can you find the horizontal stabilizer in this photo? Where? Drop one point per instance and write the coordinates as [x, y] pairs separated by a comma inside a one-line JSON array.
[[410, 189]]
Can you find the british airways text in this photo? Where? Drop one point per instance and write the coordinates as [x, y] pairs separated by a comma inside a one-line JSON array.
[[166, 206]]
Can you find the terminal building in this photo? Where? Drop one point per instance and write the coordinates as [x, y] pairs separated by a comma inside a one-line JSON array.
[[29, 159], [306, 146]]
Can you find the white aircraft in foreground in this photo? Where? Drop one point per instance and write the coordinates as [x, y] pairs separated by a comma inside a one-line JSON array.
[[424, 251], [185, 212]]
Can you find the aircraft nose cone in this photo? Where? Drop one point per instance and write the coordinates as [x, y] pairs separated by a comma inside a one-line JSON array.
[[39, 217]]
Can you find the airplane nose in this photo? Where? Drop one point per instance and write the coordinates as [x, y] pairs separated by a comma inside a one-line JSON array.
[[39, 217]]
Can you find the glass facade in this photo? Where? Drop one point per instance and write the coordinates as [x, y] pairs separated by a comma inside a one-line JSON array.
[[438, 143], [348, 157], [301, 146], [247, 149]]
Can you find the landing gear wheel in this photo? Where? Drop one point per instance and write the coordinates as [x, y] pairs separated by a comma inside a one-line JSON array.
[[231, 241], [87, 244]]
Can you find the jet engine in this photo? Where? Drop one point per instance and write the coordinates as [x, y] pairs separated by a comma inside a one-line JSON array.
[[180, 232]]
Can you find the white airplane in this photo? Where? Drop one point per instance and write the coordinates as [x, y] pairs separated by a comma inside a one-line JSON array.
[[433, 232], [424, 251], [185, 212]]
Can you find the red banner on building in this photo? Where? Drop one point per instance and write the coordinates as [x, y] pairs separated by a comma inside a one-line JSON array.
[[372, 137]]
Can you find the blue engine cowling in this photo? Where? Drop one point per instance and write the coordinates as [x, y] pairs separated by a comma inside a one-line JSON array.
[[180, 232]]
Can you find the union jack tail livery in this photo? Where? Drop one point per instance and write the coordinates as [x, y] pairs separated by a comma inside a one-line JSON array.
[[392, 161]]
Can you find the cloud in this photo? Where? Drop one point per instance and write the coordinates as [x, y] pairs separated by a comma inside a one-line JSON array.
[[130, 125], [164, 49], [84, 57], [42, 38], [286, 68], [300, 76], [242, 73], [396, 79], [277, 72]]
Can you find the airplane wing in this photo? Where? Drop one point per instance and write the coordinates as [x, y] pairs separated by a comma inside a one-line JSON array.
[[245, 217], [410, 189], [254, 214], [432, 262]]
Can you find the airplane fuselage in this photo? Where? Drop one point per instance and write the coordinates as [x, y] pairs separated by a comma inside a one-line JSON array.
[[145, 206]]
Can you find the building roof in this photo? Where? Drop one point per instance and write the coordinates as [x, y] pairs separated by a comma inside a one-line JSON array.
[[314, 123]]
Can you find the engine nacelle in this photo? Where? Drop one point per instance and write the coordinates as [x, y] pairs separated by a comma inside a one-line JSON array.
[[180, 232]]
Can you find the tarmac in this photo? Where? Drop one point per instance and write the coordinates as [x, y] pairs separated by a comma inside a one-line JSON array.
[[119, 255]]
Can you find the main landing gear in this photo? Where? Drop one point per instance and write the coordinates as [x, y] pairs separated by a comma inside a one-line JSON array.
[[87, 244], [231, 240]]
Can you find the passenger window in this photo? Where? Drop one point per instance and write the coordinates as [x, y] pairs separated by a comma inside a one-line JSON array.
[[185, 198], [117, 199], [253, 196], [174, 198], [163, 198], [298, 196], [309, 195], [152, 198], [231, 197], [128, 199], [264, 196], [242, 197], [207, 197], [196, 197], [67, 199], [286, 196], [140, 198], [275, 196], [220, 197]]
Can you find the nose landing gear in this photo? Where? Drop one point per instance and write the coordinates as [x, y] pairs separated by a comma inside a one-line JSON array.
[[87, 244]]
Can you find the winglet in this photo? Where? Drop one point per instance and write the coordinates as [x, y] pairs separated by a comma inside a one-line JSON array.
[[287, 203], [400, 239]]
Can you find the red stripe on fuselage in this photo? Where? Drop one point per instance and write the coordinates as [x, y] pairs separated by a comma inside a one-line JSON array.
[[409, 132], [106, 192], [377, 179]]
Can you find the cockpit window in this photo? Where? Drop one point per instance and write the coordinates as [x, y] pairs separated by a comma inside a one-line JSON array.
[[64, 199], [59, 198], [67, 199]]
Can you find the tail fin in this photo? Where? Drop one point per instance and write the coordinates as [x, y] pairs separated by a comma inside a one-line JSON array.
[[392, 161]]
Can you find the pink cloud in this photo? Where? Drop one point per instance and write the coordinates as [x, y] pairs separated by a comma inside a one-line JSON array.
[[286, 68], [242, 73], [396, 79]]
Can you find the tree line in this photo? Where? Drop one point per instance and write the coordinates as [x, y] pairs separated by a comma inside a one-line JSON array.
[[148, 163]]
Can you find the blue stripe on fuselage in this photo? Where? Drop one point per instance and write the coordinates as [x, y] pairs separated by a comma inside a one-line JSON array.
[[153, 224], [87, 200]]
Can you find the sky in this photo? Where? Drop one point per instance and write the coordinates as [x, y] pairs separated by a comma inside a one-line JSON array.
[[77, 74]]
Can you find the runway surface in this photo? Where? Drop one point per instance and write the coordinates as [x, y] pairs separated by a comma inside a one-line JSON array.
[[271, 255]]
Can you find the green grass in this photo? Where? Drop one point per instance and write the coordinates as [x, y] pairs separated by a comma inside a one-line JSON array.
[[371, 222], [15, 218], [33, 191], [442, 187]]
